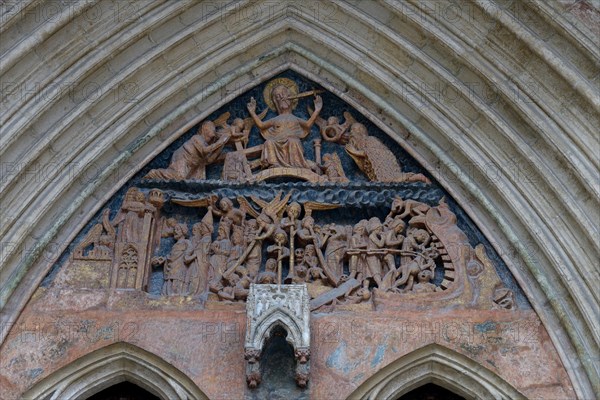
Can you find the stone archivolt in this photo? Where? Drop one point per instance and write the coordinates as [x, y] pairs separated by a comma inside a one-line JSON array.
[[360, 241]]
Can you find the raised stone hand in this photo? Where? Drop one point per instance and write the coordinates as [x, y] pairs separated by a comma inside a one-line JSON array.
[[318, 103], [252, 105]]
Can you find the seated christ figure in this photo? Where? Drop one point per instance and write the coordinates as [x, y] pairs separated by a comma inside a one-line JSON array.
[[283, 133]]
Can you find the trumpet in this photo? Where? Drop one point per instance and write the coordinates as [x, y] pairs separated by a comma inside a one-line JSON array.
[[305, 94]]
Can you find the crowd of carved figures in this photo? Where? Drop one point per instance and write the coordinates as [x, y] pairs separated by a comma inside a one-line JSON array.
[[282, 257], [281, 152], [390, 255], [245, 240], [256, 245]]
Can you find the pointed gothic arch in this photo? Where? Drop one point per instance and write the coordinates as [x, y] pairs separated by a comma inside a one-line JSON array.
[[438, 365], [114, 364], [272, 319], [511, 211]]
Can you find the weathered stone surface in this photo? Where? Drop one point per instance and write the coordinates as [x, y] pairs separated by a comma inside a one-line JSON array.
[[208, 345], [272, 307], [347, 350], [524, 171]]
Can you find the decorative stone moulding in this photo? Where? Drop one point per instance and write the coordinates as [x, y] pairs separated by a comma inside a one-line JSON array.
[[272, 306]]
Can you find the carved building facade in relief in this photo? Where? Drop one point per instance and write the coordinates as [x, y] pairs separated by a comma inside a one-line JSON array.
[[271, 218]]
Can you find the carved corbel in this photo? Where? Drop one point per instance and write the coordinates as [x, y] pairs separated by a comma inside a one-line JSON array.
[[302, 355], [253, 376]]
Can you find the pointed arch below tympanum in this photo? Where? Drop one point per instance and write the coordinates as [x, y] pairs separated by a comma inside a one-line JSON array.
[[273, 319], [114, 364], [438, 365]]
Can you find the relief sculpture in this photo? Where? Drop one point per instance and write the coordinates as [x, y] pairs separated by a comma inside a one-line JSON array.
[[100, 238], [191, 159], [401, 252], [282, 151], [414, 253], [286, 213], [136, 225]]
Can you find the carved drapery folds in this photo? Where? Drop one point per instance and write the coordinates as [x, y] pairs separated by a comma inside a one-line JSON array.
[[282, 153], [401, 252]]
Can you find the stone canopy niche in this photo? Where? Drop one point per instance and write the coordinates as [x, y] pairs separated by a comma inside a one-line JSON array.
[[277, 306], [288, 207]]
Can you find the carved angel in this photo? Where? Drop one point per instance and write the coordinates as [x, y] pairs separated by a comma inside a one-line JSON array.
[[232, 218], [227, 211], [236, 166], [309, 234], [239, 130], [331, 128], [268, 221], [271, 212]]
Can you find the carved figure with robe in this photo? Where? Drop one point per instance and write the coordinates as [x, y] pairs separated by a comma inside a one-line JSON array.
[[375, 242], [175, 264], [190, 160], [197, 276], [227, 211], [306, 234], [237, 247], [374, 159], [254, 257], [358, 245], [220, 250], [335, 250], [314, 271], [283, 134], [332, 168]]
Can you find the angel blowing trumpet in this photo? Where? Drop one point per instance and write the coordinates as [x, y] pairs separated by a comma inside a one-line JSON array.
[[281, 149]]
